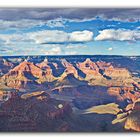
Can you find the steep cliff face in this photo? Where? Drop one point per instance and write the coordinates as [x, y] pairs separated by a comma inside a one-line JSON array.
[[90, 69], [27, 73], [103, 65], [100, 69], [132, 123], [47, 74], [69, 80], [56, 92], [23, 74], [124, 93], [69, 68], [117, 72], [26, 67]]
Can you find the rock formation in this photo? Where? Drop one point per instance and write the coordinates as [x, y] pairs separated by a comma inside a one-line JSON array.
[[100, 69], [132, 122], [5, 66], [117, 72], [69, 68], [90, 69], [47, 71], [50, 95]]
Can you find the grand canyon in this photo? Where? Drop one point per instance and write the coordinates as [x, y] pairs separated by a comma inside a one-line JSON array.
[[71, 93]]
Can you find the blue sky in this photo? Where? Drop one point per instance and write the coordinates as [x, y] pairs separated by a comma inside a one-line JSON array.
[[69, 31]]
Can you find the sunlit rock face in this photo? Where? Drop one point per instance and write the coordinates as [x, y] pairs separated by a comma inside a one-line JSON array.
[[69, 68], [102, 69], [27, 73], [27, 67], [90, 69], [54, 92], [117, 72], [132, 123], [123, 93], [47, 74], [21, 75]]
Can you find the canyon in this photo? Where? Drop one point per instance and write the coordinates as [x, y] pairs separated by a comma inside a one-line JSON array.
[[54, 94]]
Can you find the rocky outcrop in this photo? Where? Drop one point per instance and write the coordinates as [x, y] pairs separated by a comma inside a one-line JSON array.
[[18, 81], [117, 72], [69, 68], [47, 71], [26, 74], [39, 95], [44, 66], [113, 72], [90, 69], [69, 80], [5, 66], [57, 91], [103, 65], [132, 123], [123, 93], [100, 69], [97, 73], [8, 64], [26, 67]]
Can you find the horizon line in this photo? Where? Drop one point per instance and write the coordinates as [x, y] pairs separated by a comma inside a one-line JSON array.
[[71, 55]]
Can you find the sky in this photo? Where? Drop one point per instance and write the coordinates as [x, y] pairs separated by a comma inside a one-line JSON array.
[[69, 31]]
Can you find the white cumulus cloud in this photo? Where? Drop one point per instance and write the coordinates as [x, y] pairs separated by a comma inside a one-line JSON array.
[[120, 34], [80, 36], [49, 36], [57, 36]]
